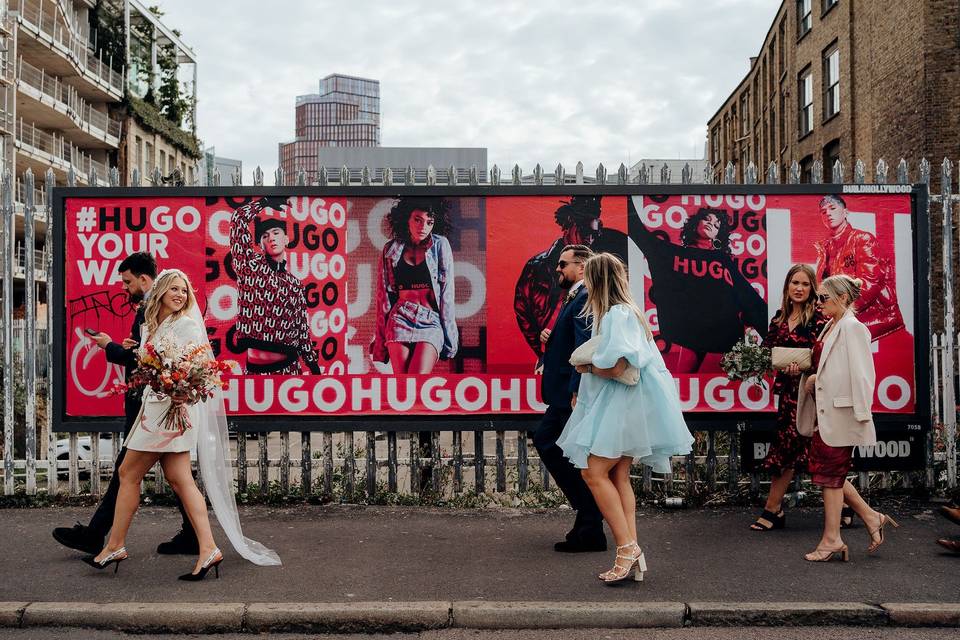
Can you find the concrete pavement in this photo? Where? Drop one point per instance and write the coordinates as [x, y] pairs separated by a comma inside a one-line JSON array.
[[379, 569]]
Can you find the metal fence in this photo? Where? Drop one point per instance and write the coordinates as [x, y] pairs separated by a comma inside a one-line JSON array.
[[371, 465]]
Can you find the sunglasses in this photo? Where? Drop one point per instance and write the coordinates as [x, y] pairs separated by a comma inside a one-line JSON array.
[[563, 263], [823, 297]]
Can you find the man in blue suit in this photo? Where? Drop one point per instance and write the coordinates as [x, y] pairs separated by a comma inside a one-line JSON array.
[[559, 391]]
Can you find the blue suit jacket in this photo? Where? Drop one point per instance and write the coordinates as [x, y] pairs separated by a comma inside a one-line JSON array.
[[560, 379]]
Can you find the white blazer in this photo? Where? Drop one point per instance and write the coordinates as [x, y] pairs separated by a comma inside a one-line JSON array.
[[841, 406]]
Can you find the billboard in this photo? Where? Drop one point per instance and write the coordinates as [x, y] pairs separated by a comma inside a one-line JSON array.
[[396, 304]]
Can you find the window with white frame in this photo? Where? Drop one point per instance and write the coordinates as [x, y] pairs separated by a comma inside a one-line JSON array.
[[831, 82], [804, 17], [805, 102]]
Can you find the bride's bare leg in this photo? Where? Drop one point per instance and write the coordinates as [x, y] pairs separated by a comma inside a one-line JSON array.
[[135, 465], [176, 468]]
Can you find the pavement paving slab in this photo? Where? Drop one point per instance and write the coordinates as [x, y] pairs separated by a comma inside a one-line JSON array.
[[390, 554]]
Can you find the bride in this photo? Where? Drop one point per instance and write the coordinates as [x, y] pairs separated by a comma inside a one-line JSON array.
[[173, 317]]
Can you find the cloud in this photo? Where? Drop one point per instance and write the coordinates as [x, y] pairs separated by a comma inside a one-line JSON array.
[[546, 82]]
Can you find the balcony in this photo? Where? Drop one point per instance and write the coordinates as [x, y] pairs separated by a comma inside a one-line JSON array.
[[51, 103], [42, 149], [59, 46], [20, 256]]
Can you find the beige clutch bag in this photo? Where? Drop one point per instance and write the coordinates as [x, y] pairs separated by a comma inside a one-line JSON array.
[[782, 357], [584, 355]]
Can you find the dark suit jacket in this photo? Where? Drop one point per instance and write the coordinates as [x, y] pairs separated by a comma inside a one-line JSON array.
[[560, 379], [128, 360]]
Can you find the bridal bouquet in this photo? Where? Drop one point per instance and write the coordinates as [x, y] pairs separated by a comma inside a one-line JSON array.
[[747, 360], [187, 375]]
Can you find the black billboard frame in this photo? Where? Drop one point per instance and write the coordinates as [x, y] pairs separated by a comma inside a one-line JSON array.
[[919, 420]]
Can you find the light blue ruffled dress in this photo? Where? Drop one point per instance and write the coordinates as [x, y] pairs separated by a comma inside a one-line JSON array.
[[612, 419]]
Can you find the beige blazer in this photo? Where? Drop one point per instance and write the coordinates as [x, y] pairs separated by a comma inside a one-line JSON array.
[[840, 408]]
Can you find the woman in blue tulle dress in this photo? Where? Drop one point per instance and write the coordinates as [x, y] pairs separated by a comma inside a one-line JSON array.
[[615, 424]]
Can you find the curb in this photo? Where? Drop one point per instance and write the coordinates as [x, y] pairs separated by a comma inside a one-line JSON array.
[[778, 614], [379, 617]]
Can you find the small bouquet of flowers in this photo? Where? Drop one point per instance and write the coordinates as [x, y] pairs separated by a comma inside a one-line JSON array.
[[186, 375], [747, 360]]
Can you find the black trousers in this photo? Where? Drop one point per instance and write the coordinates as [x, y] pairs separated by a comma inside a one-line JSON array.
[[102, 520], [589, 522]]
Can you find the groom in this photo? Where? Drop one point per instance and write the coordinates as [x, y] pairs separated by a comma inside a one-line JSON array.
[[137, 272], [559, 390]]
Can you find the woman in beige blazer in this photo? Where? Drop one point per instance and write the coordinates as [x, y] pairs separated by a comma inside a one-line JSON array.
[[834, 407]]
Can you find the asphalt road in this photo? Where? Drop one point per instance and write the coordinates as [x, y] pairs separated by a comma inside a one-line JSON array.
[[343, 554]]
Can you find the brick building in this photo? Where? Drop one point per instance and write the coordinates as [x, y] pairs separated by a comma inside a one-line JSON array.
[[847, 79]]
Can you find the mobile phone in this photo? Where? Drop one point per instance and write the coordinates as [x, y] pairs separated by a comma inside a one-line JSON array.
[[91, 332]]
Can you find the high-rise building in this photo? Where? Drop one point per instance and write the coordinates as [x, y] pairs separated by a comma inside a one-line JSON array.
[[848, 80], [346, 113]]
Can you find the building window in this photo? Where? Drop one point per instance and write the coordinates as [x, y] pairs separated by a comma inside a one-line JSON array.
[[148, 165], [781, 49], [715, 144], [831, 153], [831, 82], [804, 17], [745, 113], [138, 154], [163, 161], [827, 5], [805, 102]]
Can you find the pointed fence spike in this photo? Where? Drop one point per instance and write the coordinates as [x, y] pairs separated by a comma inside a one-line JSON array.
[[579, 173], [817, 172], [686, 176], [258, 177], [279, 177], [773, 173], [903, 172], [794, 177], [114, 177], [236, 178], [474, 176], [601, 174], [707, 175], [156, 177], [925, 170], [365, 176], [431, 175], [665, 174], [71, 177], [859, 172], [94, 179], [452, 177], [643, 176], [836, 172], [538, 174], [388, 177], [750, 177], [301, 177], [880, 176], [622, 174], [323, 177], [946, 176], [559, 175], [135, 177], [730, 174], [495, 175], [516, 175], [344, 175]]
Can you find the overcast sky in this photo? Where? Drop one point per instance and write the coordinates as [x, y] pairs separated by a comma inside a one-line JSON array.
[[546, 82]]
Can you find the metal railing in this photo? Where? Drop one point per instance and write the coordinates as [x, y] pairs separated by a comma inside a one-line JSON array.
[[57, 151], [81, 112], [64, 37], [366, 464]]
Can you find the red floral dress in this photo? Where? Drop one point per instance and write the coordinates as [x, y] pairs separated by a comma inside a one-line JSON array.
[[789, 449]]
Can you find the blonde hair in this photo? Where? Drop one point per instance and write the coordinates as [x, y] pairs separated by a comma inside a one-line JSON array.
[[160, 287], [842, 284], [607, 285], [810, 305]]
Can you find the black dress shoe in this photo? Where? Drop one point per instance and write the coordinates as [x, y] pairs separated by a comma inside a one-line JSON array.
[[80, 538], [579, 545], [181, 544]]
